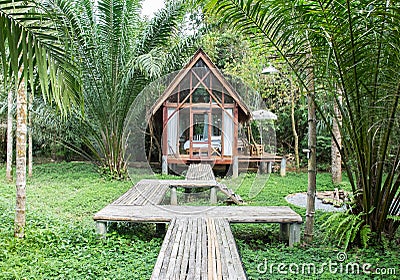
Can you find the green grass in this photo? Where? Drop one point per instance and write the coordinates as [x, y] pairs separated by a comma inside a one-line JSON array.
[[61, 242], [60, 238]]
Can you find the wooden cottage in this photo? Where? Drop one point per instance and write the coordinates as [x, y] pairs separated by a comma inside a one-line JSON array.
[[200, 114]]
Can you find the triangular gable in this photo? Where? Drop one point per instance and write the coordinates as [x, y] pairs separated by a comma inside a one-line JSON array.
[[199, 55]]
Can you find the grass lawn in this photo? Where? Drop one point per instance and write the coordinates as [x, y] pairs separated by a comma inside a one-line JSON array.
[[61, 242]]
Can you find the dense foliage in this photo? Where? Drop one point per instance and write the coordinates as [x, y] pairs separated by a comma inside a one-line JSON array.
[[120, 53], [347, 48]]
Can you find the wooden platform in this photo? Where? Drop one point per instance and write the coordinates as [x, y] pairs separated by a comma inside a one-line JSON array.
[[165, 213], [143, 193], [288, 219], [198, 248]]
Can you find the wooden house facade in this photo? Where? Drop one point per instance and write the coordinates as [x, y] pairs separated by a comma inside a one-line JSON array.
[[200, 114]]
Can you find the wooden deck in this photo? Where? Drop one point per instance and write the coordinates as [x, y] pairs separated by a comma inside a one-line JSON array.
[[198, 248]]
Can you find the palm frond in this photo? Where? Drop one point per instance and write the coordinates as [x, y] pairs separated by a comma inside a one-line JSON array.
[[30, 40]]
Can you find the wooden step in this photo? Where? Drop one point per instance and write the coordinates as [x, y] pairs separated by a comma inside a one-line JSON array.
[[230, 194]]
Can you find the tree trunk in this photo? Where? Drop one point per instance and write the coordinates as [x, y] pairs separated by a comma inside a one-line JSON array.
[[10, 139], [312, 161], [30, 141], [20, 218], [335, 149], [295, 135]]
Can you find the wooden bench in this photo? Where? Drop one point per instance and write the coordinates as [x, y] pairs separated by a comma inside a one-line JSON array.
[[289, 220], [198, 248]]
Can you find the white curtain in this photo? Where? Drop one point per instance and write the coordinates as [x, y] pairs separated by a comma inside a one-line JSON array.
[[227, 131], [205, 128], [172, 131]]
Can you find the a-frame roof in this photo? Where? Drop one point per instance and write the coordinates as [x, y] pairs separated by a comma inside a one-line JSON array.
[[200, 55]]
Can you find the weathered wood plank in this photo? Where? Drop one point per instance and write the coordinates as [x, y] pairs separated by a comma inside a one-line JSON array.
[[200, 171], [226, 258], [199, 248], [178, 263], [199, 252], [237, 263], [144, 192], [212, 271], [204, 263], [168, 249], [175, 248], [186, 252], [165, 213], [192, 254], [161, 255]]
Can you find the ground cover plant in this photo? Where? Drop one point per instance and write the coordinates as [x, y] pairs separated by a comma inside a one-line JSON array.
[[61, 242]]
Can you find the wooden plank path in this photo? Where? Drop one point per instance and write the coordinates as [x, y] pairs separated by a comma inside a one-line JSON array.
[[199, 243], [198, 248]]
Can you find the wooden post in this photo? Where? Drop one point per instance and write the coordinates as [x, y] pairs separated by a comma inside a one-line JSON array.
[[294, 234], [235, 172], [160, 229], [262, 168], [101, 228], [174, 196], [164, 165], [283, 167], [269, 167], [213, 195]]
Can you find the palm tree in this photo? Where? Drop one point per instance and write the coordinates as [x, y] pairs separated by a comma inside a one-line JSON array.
[[120, 54], [353, 45], [32, 54]]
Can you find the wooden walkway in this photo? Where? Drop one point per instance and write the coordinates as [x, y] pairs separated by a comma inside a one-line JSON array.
[[198, 248], [199, 243]]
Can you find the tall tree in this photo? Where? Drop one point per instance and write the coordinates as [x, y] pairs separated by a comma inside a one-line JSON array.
[[21, 137], [31, 49], [356, 43]]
